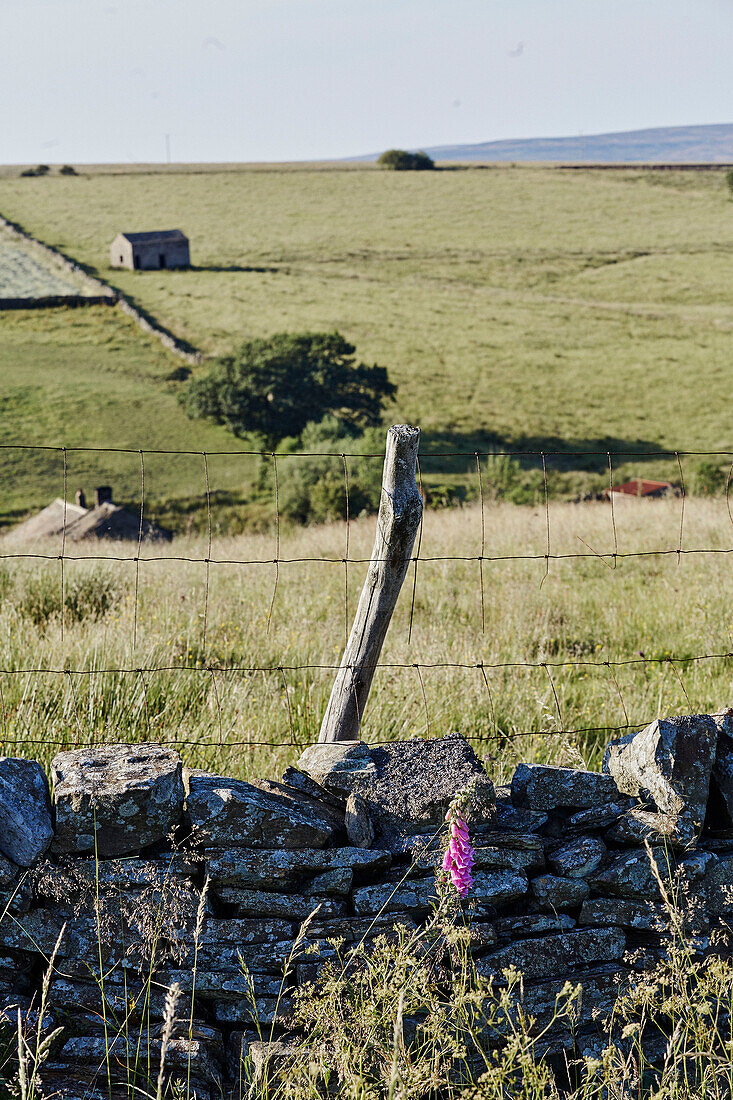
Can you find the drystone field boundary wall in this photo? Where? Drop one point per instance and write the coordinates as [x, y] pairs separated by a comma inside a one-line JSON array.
[[136, 868], [105, 294]]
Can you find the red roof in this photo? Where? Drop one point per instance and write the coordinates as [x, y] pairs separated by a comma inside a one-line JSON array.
[[641, 487]]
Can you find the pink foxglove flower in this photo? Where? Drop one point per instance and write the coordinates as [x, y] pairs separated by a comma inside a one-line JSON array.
[[459, 856]]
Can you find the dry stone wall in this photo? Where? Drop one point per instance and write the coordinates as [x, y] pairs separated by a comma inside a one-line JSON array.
[[130, 866]]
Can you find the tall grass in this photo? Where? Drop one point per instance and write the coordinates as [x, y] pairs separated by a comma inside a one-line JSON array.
[[196, 655]]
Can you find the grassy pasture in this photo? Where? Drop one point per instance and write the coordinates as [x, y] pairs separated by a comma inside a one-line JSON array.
[[89, 378], [584, 613], [22, 275], [527, 308], [510, 304]]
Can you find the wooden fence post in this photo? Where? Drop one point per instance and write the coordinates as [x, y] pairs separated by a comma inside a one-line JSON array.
[[400, 511]]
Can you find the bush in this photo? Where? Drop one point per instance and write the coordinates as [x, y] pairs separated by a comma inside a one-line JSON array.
[[399, 160], [709, 479], [90, 596], [312, 489], [68, 170], [505, 479]]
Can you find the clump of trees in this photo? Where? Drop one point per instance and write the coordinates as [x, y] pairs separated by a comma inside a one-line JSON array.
[[308, 393], [399, 160], [43, 170], [322, 485], [273, 388]]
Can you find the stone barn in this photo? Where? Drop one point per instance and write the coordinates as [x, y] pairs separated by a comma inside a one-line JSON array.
[[151, 251]]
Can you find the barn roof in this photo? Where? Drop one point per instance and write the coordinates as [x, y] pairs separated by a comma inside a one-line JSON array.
[[109, 521], [155, 235], [641, 487], [106, 521], [52, 520]]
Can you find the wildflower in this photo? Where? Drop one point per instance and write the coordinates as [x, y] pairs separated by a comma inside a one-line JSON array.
[[459, 856]]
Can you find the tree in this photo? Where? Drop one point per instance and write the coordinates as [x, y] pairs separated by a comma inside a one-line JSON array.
[[274, 387], [68, 170], [399, 160]]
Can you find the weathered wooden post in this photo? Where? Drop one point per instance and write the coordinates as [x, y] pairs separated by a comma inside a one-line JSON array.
[[400, 511]]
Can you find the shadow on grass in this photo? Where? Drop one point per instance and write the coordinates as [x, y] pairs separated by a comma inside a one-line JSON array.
[[454, 452], [229, 269]]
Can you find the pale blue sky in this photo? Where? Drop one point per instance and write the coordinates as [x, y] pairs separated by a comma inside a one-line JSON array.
[[233, 80]]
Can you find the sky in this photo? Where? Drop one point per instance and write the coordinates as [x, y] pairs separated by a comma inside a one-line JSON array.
[[92, 81]]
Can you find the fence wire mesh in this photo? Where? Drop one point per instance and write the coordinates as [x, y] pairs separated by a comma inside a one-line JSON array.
[[24, 716]]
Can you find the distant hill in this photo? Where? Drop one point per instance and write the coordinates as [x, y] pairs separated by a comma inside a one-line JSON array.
[[675, 144]]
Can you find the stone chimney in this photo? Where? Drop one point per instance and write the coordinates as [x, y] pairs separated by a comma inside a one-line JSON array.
[[102, 495], [81, 500]]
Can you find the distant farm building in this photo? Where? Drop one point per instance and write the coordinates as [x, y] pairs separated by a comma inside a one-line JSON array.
[[77, 522], [153, 251], [640, 487]]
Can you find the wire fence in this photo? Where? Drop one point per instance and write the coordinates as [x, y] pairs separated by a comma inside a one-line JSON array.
[[214, 556]]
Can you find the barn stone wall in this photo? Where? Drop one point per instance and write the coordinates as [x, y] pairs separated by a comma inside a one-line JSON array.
[[151, 873]]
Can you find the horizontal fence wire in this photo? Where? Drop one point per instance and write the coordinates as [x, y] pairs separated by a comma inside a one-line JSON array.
[[143, 553]]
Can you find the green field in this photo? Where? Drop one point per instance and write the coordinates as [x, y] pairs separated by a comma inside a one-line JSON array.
[[527, 308], [89, 378], [527, 305]]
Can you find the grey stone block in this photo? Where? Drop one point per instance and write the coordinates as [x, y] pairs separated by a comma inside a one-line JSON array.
[[554, 892], [26, 831], [637, 916], [495, 887], [116, 798], [279, 870], [670, 763], [579, 858], [359, 828], [600, 816], [406, 786], [542, 787], [533, 924], [554, 955], [225, 813], [416, 895], [630, 875], [264, 903], [638, 825]]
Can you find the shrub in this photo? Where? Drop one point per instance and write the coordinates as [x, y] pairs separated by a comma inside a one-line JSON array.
[[399, 160], [68, 170], [729, 180], [709, 479], [505, 479], [39, 170], [312, 489]]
